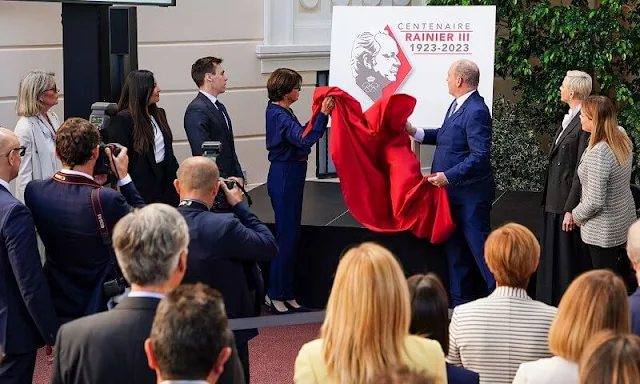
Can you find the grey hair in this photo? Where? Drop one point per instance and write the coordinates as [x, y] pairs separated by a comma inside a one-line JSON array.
[[468, 71], [365, 46], [633, 242], [32, 86], [580, 83], [148, 243]]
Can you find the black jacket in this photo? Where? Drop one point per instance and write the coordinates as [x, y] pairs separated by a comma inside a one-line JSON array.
[[204, 122], [562, 186], [223, 250], [154, 181], [109, 347]]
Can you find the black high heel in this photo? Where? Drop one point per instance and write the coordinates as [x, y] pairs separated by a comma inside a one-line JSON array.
[[273, 309]]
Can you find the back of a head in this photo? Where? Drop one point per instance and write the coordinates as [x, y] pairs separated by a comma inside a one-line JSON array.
[[580, 83], [512, 253], [148, 243], [402, 375], [198, 173], [469, 72], [76, 140], [368, 315], [595, 301], [611, 358], [189, 332], [633, 243], [429, 308]]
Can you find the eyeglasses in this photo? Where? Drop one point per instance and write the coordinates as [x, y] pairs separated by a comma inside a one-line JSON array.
[[55, 89], [22, 150], [298, 88]]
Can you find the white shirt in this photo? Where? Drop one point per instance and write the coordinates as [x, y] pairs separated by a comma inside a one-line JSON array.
[[567, 119], [5, 184], [124, 181], [213, 100], [159, 141], [153, 295], [419, 135]]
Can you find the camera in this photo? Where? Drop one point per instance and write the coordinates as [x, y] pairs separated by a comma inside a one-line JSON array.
[[211, 150], [101, 114], [114, 287]]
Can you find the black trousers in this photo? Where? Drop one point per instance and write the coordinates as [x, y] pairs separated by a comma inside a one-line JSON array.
[[18, 369], [243, 356], [605, 258]]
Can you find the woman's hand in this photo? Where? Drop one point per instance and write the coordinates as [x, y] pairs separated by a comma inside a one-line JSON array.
[[327, 105], [568, 224]]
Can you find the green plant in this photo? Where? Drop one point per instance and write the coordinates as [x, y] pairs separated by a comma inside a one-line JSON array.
[[537, 42], [518, 162]]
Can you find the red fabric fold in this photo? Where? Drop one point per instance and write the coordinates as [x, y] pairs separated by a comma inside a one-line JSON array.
[[380, 175]]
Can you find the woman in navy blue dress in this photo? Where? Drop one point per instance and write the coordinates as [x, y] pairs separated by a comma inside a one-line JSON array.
[[288, 148]]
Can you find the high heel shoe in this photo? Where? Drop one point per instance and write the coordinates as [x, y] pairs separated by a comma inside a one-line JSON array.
[[298, 309], [273, 309]]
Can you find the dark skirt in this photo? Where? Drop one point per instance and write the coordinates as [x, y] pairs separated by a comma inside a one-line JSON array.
[[562, 258]]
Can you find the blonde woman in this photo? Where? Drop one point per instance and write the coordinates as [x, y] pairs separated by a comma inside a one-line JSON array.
[[611, 358], [366, 329], [595, 301], [606, 209], [36, 129]]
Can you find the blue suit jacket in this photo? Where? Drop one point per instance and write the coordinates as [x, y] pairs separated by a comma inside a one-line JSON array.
[[78, 262], [220, 247], [463, 146], [27, 317], [634, 306], [459, 375]]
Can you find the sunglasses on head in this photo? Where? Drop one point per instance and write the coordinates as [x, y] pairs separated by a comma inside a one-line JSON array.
[[22, 150]]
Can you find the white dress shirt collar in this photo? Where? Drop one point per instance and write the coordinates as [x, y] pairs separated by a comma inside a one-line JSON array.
[[460, 100], [5, 184], [209, 96], [153, 295], [77, 173]]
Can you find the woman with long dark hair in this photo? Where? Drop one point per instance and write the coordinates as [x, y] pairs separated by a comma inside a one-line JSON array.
[[142, 127]]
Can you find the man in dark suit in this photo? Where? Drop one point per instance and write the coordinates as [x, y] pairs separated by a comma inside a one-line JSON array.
[[78, 260], [189, 340], [461, 163], [151, 247], [224, 247], [27, 318], [633, 252], [206, 118]]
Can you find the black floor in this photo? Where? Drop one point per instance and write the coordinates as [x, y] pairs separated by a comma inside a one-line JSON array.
[[328, 228]]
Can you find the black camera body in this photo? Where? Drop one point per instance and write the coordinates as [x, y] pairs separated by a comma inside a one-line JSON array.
[[114, 287], [103, 165], [211, 150], [101, 114]]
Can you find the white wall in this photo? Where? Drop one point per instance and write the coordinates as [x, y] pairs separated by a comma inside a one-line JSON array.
[[170, 40]]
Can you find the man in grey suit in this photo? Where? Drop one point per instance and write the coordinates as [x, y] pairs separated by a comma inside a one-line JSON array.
[[151, 247]]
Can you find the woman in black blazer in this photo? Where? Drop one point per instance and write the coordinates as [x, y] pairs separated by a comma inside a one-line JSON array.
[[142, 127], [562, 253]]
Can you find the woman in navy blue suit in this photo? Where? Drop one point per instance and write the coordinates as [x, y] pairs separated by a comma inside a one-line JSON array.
[[430, 318], [288, 147]]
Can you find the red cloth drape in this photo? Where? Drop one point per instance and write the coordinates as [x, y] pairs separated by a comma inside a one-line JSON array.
[[380, 175]]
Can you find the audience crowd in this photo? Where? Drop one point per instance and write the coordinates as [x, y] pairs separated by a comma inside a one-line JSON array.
[[137, 287]]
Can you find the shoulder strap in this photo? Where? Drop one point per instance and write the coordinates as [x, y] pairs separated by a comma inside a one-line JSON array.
[[101, 222]]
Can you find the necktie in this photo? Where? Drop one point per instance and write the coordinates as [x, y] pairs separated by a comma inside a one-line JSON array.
[[453, 108], [222, 110]]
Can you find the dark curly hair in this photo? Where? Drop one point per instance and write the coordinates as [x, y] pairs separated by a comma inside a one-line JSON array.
[[75, 141]]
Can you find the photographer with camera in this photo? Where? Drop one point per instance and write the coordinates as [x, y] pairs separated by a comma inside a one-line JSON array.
[[225, 247], [74, 215]]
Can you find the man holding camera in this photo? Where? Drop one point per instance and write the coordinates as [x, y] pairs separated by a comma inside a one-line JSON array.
[[74, 216], [224, 247]]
